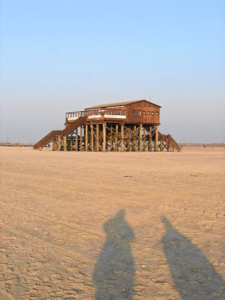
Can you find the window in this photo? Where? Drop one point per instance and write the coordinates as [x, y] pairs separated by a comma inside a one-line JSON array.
[[144, 112], [134, 113], [153, 113], [157, 113], [139, 113], [148, 112]]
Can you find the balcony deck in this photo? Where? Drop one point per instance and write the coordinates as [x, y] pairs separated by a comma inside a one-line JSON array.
[[96, 115]]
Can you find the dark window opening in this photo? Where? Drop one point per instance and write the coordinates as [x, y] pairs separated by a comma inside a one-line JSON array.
[[134, 113]]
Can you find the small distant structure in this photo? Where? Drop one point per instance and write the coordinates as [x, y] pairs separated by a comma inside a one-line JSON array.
[[123, 126]]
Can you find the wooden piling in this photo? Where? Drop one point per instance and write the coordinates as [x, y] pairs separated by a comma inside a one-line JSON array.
[[86, 137], [111, 138], [156, 138], [97, 137], [59, 143], [150, 139], [54, 146], [71, 143], [122, 137], [65, 143], [81, 138], [140, 138], [76, 139], [144, 137], [116, 138], [104, 137], [92, 138]]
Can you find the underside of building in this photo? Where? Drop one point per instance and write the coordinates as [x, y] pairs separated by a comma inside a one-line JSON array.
[[124, 126]]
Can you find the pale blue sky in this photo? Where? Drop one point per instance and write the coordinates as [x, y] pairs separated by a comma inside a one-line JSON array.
[[59, 56]]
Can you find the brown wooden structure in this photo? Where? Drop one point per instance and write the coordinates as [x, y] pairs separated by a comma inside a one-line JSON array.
[[124, 126]]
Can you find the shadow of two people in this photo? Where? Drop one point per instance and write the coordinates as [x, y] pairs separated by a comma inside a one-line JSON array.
[[193, 275], [114, 271]]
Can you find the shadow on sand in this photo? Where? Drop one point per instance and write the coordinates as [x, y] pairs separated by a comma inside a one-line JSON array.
[[193, 276], [113, 274]]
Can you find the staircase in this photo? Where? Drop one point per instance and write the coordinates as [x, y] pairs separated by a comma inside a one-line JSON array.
[[53, 134], [47, 139], [169, 141], [73, 125]]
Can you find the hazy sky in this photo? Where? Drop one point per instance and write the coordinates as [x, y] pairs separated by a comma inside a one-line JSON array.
[[58, 56]]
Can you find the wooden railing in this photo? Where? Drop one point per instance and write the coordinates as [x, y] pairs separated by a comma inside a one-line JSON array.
[[53, 134], [75, 114], [169, 140], [101, 112], [47, 139]]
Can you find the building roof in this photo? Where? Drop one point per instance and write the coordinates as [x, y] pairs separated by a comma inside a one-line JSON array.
[[102, 106]]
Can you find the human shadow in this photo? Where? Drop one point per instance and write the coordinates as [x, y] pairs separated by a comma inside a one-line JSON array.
[[113, 275], [193, 275]]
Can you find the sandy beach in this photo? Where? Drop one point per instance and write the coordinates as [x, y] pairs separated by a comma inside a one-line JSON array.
[[112, 225]]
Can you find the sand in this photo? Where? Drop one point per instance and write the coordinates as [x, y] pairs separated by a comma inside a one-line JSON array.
[[112, 225]]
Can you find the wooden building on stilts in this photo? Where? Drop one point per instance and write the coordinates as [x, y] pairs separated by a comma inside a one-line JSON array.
[[124, 126]]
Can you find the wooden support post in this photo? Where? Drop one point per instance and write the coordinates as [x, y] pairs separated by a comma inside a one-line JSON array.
[[59, 143], [168, 142], [81, 138], [111, 137], [65, 143], [86, 137], [144, 138], [76, 139], [150, 139], [140, 138], [116, 138], [161, 145], [104, 137], [122, 137], [135, 134], [156, 138], [92, 138], [97, 137], [54, 145], [71, 143]]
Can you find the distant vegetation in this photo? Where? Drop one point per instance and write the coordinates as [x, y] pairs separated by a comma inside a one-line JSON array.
[[202, 145], [15, 144]]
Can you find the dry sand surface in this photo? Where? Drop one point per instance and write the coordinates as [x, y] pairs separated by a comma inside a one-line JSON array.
[[112, 225]]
